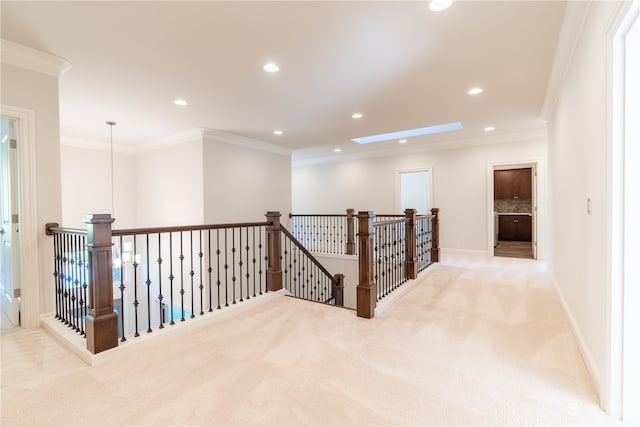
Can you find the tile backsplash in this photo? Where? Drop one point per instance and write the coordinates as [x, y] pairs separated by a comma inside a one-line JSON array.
[[512, 205]]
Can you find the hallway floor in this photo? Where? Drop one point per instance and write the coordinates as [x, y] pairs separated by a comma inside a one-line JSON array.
[[473, 341]]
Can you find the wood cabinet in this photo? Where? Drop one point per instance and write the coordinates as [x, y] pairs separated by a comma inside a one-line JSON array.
[[514, 228], [512, 184]]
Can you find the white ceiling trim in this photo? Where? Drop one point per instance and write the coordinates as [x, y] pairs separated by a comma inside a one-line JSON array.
[[87, 144], [529, 136], [242, 141], [190, 135], [574, 18], [32, 59]]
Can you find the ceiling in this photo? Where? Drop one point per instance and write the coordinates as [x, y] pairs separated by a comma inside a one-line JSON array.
[[398, 63]]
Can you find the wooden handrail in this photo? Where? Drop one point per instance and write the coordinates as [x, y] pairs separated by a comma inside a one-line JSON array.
[[52, 228], [305, 251], [306, 215], [155, 230], [391, 221]]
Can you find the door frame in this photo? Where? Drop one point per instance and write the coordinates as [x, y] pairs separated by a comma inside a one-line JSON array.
[[28, 221], [398, 201], [537, 202], [619, 389]]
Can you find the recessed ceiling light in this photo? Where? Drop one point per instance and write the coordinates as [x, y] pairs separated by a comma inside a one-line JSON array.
[[277, 132], [429, 130], [475, 91], [403, 141], [489, 128], [180, 102], [337, 150], [440, 5], [271, 68], [356, 116]]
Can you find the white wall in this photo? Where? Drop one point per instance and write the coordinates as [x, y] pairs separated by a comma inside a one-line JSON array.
[[460, 187], [39, 92], [86, 186], [198, 179], [577, 172], [243, 183], [169, 185]]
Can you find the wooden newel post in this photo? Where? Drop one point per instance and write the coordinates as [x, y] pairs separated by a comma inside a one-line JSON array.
[[274, 268], [435, 244], [351, 234], [337, 290], [410, 242], [366, 291], [102, 321]]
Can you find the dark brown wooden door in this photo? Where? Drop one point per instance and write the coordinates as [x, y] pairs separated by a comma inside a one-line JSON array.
[[523, 228], [503, 184], [506, 227], [512, 184], [514, 228], [522, 184]]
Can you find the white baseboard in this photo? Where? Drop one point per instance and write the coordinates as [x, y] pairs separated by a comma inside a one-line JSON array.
[[78, 344], [469, 252], [584, 350]]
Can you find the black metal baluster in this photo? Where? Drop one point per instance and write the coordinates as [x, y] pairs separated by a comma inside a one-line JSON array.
[[85, 285], [181, 279], [69, 278], [56, 272], [253, 252], [240, 263], [122, 293], [394, 260], [63, 276], [376, 260], [160, 297], [246, 248], [287, 265], [209, 270], [226, 269], [191, 272], [171, 277], [148, 282], [260, 259], [389, 259], [233, 263], [305, 273], [200, 254], [315, 233], [75, 284], [135, 285], [335, 235], [295, 272], [218, 269]]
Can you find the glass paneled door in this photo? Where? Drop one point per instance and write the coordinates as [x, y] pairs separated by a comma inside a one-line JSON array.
[[9, 226]]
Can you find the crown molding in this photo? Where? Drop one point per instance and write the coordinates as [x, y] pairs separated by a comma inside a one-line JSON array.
[[575, 16], [507, 138], [211, 135], [32, 59], [88, 144], [191, 135]]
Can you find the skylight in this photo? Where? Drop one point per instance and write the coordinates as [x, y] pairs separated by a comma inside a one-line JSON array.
[[429, 130]]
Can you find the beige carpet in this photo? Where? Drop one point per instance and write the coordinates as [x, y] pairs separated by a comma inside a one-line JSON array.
[[474, 341]]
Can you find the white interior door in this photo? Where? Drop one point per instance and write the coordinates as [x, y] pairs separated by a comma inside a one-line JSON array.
[[414, 191], [9, 247]]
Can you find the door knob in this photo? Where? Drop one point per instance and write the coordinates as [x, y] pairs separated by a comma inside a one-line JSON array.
[[1, 231]]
